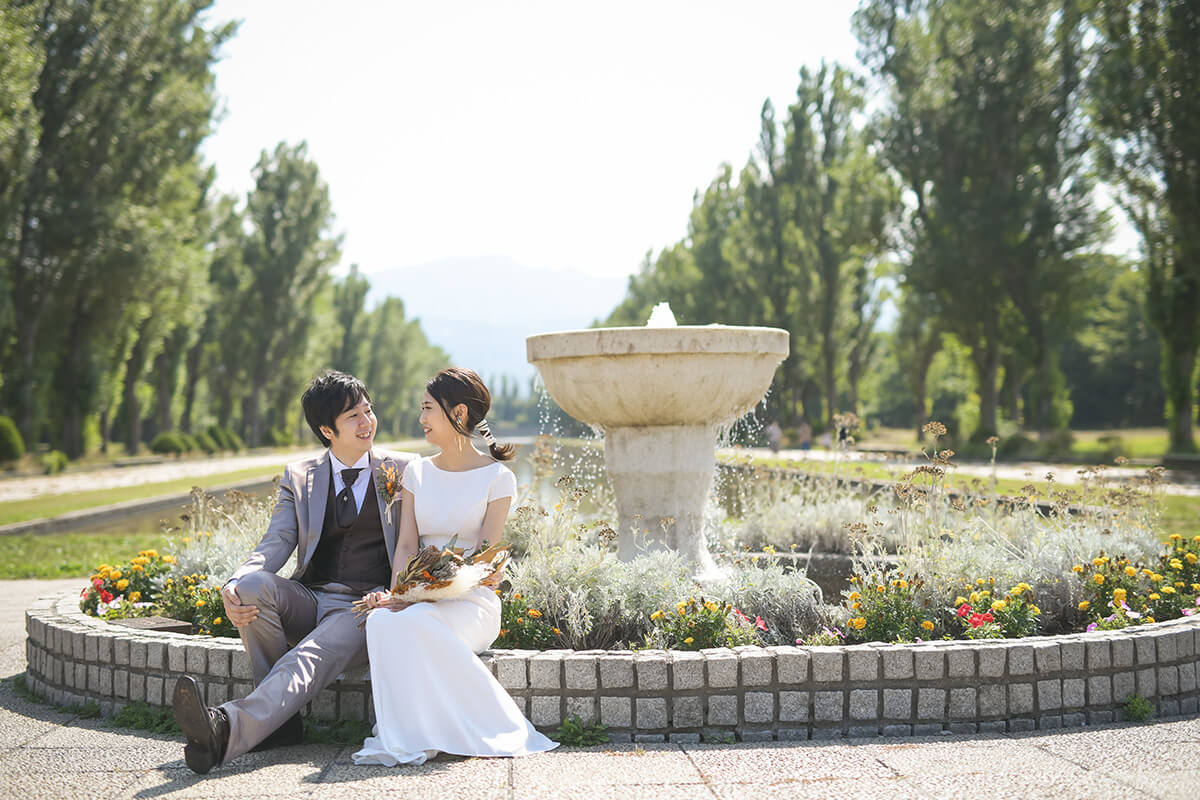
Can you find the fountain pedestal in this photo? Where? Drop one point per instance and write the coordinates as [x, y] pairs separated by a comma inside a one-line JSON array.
[[660, 394], [661, 477]]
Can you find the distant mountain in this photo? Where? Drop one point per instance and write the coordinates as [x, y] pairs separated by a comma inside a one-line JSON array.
[[481, 309]]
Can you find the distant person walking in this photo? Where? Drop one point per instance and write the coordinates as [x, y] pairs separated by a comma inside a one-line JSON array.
[[774, 435], [805, 435]]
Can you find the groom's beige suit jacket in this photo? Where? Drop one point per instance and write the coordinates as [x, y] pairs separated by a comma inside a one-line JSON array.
[[300, 513]]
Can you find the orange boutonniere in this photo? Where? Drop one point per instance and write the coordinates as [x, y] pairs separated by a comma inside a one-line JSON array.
[[387, 483]]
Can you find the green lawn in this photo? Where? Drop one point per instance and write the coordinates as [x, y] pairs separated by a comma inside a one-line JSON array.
[[1180, 513], [53, 505], [68, 555]]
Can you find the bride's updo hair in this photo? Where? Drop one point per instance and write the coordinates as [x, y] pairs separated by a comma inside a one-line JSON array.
[[456, 385]]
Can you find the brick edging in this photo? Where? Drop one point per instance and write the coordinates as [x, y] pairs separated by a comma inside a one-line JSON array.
[[753, 693]]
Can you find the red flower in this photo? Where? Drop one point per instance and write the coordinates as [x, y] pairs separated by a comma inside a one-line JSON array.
[[964, 610], [988, 617], [742, 617], [758, 623], [106, 596], [978, 619], [99, 584]]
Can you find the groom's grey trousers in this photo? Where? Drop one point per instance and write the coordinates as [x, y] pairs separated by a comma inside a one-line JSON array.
[[327, 639]]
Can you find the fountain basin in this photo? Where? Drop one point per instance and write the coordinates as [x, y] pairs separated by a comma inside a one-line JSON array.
[[641, 377]]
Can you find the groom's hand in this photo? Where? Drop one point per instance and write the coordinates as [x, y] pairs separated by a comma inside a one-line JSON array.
[[239, 613]]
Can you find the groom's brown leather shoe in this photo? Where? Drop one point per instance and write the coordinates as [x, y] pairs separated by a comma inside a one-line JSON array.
[[206, 729]]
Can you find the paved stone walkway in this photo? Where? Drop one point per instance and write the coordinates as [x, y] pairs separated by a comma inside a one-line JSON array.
[[49, 754]]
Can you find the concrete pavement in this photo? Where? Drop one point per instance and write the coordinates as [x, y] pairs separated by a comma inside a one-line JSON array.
[[46, 753]]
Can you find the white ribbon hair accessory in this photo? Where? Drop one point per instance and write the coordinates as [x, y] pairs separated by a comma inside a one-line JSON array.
[[485, 432]]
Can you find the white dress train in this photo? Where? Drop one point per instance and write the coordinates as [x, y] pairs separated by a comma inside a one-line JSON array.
[[430, 690]]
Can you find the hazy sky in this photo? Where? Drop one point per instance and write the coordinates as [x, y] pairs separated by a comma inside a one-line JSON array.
[[562, 135]]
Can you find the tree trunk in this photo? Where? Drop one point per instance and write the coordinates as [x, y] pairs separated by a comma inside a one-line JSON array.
[[1179, 378], [988, 365], [105, 430], [134, 368], [191, 379]]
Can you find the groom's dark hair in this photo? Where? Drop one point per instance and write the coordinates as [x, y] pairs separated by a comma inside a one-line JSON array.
[[327, 397]]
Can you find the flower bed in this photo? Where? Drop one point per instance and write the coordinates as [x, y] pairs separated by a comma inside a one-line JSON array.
[[754, 693]]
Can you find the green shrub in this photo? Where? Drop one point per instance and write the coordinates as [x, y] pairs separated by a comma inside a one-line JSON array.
[[1057, 445], [167, 443], [280, 438], [1112, 448], [219, 436], [12, 446], [190, 445], [206, 443], [54, 462], [1019, 446]]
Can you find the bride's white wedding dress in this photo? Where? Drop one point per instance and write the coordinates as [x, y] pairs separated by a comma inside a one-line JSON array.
[[431, 691]]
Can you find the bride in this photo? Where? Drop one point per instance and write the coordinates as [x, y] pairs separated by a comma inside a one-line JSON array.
[[432, 694]]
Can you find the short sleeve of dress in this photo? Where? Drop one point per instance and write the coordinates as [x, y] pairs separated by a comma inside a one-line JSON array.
[[411, 477], [503, 485]]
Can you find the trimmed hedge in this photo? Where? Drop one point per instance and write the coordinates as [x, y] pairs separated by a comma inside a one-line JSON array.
[[12, 446]]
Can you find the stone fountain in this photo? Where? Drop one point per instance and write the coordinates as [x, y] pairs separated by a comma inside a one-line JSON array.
[[660, 393]]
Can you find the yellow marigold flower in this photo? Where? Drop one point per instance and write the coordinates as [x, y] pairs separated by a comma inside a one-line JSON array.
[[1077, 568], [1196, 588], [137, 568], [168, 559], [958, 601], [516, 595], [504, 631], [1151, 619], [903, 583], [859, 623], [974, 597], [999, 605], [979, 582], [123, 584], [926, 625], [1196, 539], [533, 612], [881, 588], [710, 606], [1191, 558], [217, 621], [1131, 572], [187, 540], [150, 553], [1155, 596], [657, 615], [200, 603], [1035, 610], [855, 606], [1168, 590], [115, 574], [1118, 594], [1175, 537], [1147, 572], [557, 632], [1098, 561], [1175, 563], [688, 640], [520, 620], [1084, 605], [854, 596], [1156, 578], [1098, 578], [135, 596]]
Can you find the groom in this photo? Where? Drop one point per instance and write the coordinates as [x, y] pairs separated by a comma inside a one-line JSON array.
[[301, 632]]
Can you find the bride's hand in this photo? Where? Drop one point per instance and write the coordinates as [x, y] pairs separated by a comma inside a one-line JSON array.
[[392, 602], [376, 599]]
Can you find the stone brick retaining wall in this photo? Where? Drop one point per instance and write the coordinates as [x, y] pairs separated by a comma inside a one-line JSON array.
[[753, 693]]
